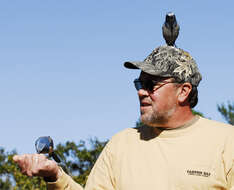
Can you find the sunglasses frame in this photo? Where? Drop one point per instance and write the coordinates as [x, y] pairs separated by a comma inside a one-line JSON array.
[[149, 85]]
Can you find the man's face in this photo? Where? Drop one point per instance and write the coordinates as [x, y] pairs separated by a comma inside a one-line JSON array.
[[159, 104]]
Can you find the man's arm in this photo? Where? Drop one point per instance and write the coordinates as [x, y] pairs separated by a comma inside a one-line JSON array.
[[228, 157], [102, 175], [64, 182]]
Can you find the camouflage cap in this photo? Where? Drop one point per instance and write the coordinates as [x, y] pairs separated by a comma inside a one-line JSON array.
[[169, 61]]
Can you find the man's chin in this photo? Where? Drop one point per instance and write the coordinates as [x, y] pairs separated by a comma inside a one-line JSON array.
[[153, 122], [146, 121]]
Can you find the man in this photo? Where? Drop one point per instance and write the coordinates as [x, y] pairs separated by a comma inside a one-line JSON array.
[[174, 149]]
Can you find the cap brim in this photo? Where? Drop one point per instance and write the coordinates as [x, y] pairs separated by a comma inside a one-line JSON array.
[[132, 65], [145, 67], [139, 65]]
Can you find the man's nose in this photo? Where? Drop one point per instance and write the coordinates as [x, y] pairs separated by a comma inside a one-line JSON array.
[[142, 92]]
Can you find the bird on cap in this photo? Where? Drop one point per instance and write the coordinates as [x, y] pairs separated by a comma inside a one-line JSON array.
[[170, 29]]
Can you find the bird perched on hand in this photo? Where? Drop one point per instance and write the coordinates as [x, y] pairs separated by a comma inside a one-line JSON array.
[[170, 29]]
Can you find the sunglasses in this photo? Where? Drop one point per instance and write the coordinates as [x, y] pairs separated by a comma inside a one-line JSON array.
[[150, 85]]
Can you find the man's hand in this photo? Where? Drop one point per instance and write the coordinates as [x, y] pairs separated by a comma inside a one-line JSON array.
[[38, 165]]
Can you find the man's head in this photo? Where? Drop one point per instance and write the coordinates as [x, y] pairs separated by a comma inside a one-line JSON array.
[[168, 61], [167, 83]]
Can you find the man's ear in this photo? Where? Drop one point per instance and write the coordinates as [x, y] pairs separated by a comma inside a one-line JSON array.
[[184, 91]]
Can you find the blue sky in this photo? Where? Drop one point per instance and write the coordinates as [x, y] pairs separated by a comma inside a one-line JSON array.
[[61, 63]]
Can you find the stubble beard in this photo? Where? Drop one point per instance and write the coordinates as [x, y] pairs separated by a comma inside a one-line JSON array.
[[157, 118]]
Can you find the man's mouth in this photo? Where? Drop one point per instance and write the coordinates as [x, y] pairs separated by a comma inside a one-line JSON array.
[[143, 104]]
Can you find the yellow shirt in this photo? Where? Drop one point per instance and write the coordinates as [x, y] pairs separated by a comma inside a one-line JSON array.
[[197, 156]]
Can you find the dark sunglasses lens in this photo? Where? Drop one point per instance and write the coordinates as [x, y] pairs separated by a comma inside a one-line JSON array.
[[149, 85], [137, 84]]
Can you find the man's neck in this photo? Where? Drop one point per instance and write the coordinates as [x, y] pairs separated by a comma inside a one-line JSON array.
[[178, 119]]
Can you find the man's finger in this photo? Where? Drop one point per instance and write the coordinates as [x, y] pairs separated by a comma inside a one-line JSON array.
[[15, 158]]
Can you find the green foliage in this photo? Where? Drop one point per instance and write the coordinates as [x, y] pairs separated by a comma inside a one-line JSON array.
[[197, 113], [138, 123], [12, 179], [5, 183], [227, 111]]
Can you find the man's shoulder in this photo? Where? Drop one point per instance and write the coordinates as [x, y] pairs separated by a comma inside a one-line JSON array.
[[216, 126], [211, 122], [126, 134], [124, 138]]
